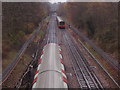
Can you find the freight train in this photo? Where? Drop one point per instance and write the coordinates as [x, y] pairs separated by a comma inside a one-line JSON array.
[[50, 72]]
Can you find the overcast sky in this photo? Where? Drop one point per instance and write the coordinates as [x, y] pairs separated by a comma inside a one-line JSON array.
[[53, 1]]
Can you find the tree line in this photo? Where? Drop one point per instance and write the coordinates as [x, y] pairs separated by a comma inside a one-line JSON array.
[[18, 21], [98, 20]]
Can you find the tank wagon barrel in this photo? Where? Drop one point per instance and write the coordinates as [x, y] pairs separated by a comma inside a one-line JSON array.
[[50, 72]]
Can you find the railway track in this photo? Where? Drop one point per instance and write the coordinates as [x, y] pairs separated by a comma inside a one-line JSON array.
[[85, 76], [51, 37], [107, 73], [110, 60]]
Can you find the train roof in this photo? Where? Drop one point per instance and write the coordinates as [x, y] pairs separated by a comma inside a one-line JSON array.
[[59, 19], [49, 72], [51, 58], [50, 79]]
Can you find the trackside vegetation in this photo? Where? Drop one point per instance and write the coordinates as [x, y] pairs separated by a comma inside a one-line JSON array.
[[97, 20], [19, 21]]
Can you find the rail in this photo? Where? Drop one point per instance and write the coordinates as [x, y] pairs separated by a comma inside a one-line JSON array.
[[99, 64], [112, 61], [85, 76]]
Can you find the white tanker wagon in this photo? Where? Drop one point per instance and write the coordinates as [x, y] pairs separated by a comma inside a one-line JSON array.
[[50, 71]]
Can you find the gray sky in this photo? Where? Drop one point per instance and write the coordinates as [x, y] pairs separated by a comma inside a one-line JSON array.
[[53, 1]]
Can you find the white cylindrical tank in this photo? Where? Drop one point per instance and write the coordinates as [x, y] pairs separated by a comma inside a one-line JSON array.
[[50, 72]]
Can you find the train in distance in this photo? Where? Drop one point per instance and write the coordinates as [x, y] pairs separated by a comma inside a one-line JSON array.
[[60, 23]]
